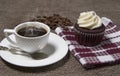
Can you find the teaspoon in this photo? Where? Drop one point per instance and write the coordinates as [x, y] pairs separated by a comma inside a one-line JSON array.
[[18, 51]]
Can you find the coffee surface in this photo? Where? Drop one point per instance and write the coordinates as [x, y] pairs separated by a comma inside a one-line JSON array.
[[31, 31]]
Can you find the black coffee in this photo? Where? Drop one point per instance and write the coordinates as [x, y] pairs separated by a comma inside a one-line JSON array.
[[32, 31]]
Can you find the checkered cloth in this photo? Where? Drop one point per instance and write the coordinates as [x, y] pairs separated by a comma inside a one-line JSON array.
[[108, 52]]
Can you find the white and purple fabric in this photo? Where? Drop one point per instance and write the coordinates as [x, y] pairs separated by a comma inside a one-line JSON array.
[[108, 52]]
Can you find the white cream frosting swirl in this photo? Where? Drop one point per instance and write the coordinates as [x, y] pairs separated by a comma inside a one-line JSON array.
[[89, 20]]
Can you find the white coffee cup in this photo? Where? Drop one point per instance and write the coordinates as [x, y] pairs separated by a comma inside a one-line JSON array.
[[28, 44]]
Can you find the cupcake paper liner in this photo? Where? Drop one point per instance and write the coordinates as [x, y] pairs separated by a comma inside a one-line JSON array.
[[88, 39]]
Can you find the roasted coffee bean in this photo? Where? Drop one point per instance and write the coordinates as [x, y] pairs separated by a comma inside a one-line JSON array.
[[54, 21]]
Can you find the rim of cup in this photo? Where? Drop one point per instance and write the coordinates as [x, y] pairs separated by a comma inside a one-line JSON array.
[[22, 25]]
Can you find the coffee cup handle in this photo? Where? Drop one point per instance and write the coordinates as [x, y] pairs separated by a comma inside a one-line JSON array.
[[7, 32]]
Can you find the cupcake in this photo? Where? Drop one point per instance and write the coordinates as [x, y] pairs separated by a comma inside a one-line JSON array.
[[89, 29]]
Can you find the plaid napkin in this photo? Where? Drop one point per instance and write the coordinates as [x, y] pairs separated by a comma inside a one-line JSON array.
[[108, 52]]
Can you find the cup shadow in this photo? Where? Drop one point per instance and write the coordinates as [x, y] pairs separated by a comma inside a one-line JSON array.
[[46, 52]]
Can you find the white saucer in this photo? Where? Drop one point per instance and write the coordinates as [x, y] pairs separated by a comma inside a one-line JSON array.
[[56, 50]]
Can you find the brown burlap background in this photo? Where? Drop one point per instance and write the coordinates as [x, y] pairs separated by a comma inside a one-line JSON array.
[[13, 12]]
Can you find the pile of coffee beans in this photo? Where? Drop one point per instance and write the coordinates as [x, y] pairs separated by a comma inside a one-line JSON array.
[[54, 21]]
